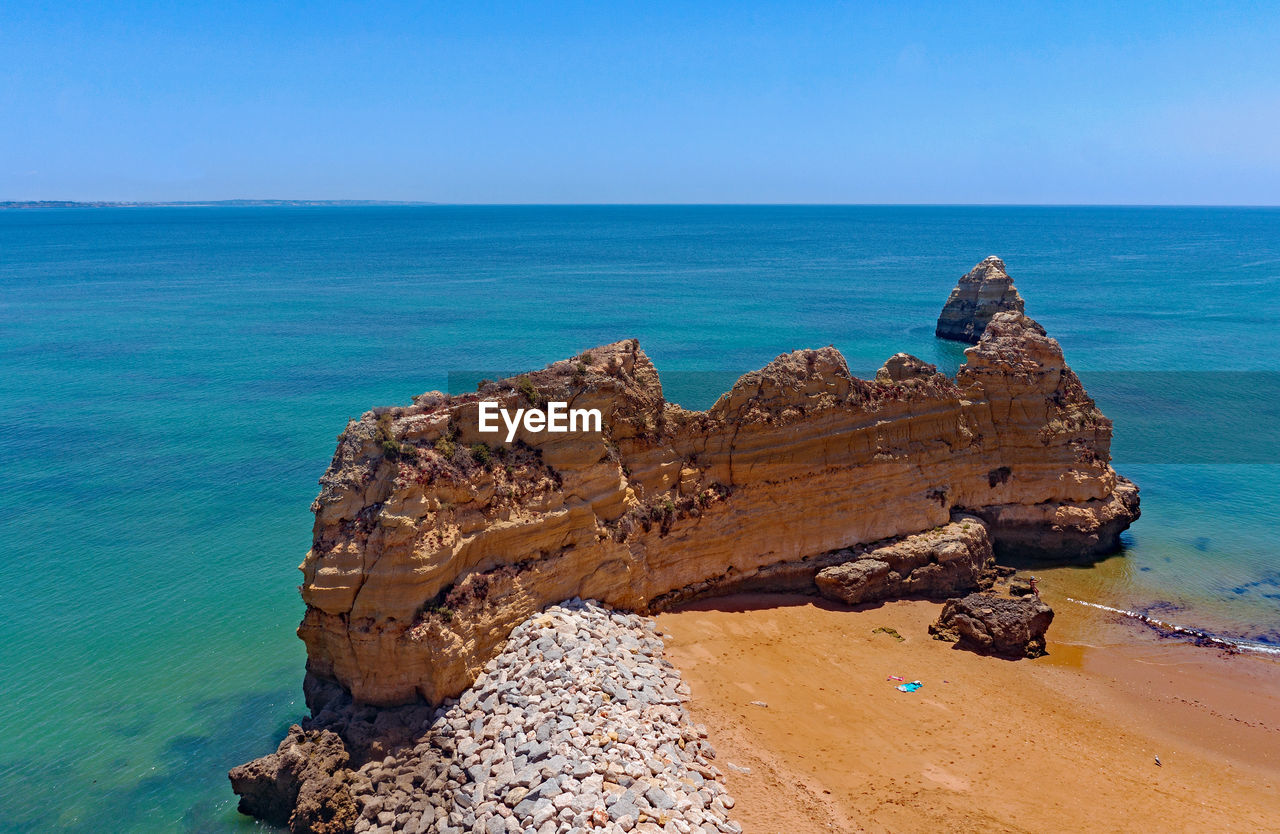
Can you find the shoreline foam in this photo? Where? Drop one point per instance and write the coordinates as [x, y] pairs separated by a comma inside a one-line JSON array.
[[1198, 636]]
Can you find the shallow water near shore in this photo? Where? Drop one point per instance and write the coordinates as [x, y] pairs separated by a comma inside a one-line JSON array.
[[172, 380]]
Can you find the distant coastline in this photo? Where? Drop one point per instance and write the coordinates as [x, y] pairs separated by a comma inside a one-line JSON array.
[[36, 204]]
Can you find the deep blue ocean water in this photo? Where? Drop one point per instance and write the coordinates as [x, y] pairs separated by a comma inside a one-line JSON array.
[[172, 381]]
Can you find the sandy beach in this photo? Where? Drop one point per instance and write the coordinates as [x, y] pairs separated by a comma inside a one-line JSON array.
[[1066, 742]]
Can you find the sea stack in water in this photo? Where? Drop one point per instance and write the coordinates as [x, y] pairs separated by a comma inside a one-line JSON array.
[[982, 292]]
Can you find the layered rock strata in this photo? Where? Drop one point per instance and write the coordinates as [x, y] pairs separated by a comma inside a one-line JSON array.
[[936, 564], [981, 293], [432, 540], [578, 724], [939, 563]]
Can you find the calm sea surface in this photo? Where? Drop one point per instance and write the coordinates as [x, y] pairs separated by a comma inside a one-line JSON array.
[[172, 381]]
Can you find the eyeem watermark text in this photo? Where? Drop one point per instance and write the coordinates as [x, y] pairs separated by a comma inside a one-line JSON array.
[[557, 418]]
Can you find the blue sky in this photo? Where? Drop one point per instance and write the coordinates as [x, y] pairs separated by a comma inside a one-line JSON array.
[[955, 102]]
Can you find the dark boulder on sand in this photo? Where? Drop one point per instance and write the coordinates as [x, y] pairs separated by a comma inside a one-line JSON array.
[[994, 624]]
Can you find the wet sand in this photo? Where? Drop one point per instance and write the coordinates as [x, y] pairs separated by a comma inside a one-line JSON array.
[[1062, 743]]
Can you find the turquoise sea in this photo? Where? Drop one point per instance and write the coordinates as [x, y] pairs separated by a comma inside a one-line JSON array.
[[172, 381]]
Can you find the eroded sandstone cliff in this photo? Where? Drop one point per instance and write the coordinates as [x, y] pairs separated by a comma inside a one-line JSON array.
[[981, 293], [432, 541]]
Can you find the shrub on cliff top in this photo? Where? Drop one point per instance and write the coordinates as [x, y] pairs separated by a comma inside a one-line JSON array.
[[392, 449], [525, 386]]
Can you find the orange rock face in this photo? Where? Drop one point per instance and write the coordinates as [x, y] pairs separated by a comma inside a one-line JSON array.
[[981, 293], [432, 540]]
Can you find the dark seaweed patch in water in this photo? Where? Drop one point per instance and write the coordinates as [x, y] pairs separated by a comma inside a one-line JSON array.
[[243, 728], [1167, 631], [1162, 606], [131, 726], [1269, 580], [1270, 637], [1229, 642], [1204, 641], [1224, 642], [191, 765], [24, 784]]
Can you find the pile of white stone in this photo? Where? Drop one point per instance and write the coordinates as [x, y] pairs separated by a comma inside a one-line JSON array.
[[578, 725]]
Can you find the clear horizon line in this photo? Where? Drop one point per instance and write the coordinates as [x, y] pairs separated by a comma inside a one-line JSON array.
[[320, 202]]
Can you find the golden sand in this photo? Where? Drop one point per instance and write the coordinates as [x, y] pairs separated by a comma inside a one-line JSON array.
[[1066, 742]]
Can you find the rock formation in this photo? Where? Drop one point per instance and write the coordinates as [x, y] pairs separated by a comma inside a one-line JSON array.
[[994, 623], [982, 292], [903, 366], [303, 785], [432, 541], [938, 563]]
